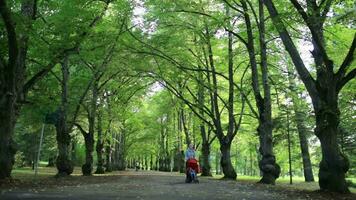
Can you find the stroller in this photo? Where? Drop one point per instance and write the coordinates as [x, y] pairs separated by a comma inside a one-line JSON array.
[[192, 170]]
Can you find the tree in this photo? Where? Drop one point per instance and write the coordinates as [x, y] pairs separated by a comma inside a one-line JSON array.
[[302, 129], [14, 62], [270, 169], [324, 90]]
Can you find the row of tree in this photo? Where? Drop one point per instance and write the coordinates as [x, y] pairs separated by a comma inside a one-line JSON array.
[[186, 42], [229, 67]]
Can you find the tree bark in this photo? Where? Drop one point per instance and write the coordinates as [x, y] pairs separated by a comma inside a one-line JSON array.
[[334, 163], [7, 145], [87, 168], [225, 161], [205, 162], [270, 170], [302, 129], [100, 148], [63, 162], [120, 152], [108, 163]]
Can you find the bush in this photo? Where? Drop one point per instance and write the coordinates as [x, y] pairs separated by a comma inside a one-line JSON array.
[[19, 160]]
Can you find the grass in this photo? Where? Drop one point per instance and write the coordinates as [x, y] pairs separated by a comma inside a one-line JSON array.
[[42, 171], [298, 182]]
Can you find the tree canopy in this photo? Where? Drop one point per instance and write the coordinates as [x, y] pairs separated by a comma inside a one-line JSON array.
[[118, 83]]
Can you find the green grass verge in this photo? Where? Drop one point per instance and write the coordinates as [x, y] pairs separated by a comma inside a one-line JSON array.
[[298, 182]]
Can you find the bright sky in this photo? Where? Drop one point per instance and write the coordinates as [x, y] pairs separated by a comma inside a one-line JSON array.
[[138, 13]]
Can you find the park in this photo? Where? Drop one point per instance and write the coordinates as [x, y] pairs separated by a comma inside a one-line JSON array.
[[163, 99]]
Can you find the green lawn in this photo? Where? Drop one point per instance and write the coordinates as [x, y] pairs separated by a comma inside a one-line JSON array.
[[298, 182]]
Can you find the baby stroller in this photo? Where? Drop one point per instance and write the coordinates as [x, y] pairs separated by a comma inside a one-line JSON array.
[[192, 170]]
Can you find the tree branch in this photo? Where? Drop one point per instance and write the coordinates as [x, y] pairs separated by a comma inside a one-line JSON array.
[[81, 129], [348, 59], [326, 8], [76, 112], [39, 75], [315, 35], [346, 79], [303, 72], [11, 34]]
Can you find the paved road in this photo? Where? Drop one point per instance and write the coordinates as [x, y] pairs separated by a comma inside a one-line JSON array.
[[154, 185]]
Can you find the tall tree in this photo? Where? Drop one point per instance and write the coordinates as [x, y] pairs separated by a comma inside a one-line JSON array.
[[14, 63], [324, 90], [302, 129], [270, 169], [12, 70]]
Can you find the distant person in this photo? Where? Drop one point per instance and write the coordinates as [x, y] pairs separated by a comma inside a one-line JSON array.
[[190, 152]]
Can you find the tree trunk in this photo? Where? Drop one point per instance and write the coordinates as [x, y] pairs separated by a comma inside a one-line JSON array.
[[151, 162], [12, 77], [334, 164], [289, 150], [217, 159], [7, 145], [182, 162], [176, 160], [205, 162], [63, 163], [108, 164], [268, 164], [121, 154], [302, 129], [307, 165], [323, 92], [87, 168], [100, 149], [73, 151], [225, 161], [270, 170]]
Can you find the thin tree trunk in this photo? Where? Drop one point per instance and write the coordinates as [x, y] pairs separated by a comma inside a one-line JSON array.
[[302, 129], [100, 148], [108, 164], [289, 150], [217, 159]]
